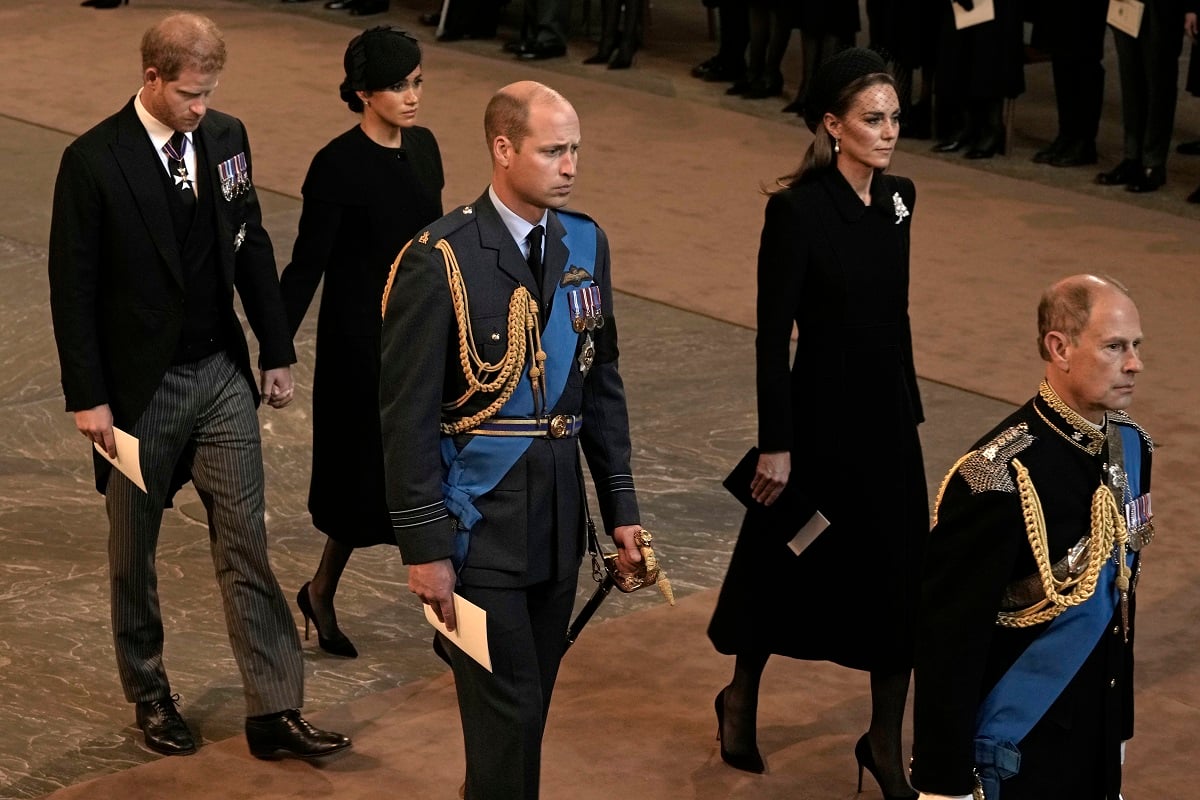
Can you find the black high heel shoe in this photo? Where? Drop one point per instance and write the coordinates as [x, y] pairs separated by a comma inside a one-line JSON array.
[[337, 644], [866, 760], [747, 762]]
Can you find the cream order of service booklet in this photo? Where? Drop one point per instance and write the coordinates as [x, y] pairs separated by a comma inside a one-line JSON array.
[[470, 635]]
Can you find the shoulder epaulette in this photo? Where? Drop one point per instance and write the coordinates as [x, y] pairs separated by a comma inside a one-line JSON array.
[[986, 469], [428, 237], [1121, 418]]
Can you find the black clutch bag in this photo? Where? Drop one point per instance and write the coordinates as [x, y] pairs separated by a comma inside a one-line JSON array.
[[790, 511]]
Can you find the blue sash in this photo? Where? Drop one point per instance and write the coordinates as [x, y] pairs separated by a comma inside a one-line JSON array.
[[475, 470], [1025, 693]]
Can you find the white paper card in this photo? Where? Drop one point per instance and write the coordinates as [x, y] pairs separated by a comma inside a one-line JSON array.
[[127, 460], [1126, 15], [984, 11], [811, 530], [470, 635]]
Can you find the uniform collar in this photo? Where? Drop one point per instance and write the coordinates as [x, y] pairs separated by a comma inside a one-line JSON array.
[[1068, 423]]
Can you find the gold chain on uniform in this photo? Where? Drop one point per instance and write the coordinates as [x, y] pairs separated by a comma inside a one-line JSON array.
[[524, 335], [1074, 419], [1107, 531]]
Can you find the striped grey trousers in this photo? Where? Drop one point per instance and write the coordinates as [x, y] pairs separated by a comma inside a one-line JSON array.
[[203, 412]]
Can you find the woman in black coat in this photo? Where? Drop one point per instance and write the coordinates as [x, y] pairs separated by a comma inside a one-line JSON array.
[[366, 194], [838, 426]]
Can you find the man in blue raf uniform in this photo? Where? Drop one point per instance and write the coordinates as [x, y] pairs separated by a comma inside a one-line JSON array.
[[1024, 665], [499, 353], [155, 223]]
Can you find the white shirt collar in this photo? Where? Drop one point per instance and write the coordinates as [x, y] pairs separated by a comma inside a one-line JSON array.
[[159, 133], [517, 226]]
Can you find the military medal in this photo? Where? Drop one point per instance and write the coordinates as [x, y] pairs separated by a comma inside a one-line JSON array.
[[586, 314], [235, 176], [587, 354], [1139, 521], [591, 307], [575, 303]]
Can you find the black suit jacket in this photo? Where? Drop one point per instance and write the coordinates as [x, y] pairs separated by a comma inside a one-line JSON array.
[[117, 289], [532, 521]]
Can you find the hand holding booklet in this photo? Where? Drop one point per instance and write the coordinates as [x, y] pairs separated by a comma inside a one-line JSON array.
[[127, 461], [470, 634], [793, 513]]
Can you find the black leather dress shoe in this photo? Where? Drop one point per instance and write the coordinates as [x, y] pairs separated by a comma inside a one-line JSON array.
[[103, 3], [1194, 197], [1050, 152], [365, 8], [164, 729], [1189, 148], [794, 107], [951, 145], [432, 19], [764, 87], [724, 73], [289, 735], [1127, 171], [1075, 154], [467, 33], [341, 5], [1151, 180], [516, 46], [540, 51], [705, 67]]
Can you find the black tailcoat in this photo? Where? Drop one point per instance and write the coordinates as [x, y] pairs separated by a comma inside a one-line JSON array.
[[117, 286]]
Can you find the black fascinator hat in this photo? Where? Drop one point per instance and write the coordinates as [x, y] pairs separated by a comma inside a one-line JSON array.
[[834, 76], [376, 59]]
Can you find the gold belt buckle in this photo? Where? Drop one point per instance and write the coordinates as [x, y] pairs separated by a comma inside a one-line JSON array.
[[558, 426]]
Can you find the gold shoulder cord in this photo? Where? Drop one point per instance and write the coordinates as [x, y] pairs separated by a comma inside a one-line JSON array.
[[482, 376], [387, 287], [1107, 531]]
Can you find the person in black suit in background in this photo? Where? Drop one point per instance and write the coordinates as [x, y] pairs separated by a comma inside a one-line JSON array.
[[1149, 68], [839, 425], [1074, 33], [366, 193], [483, 418], [155, 222]]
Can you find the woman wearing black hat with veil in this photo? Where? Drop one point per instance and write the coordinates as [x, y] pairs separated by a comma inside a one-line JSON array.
[[366, 194], [837, 428]]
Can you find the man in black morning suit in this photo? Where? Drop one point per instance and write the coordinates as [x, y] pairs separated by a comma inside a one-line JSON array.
[[155, 222], [489, 486]]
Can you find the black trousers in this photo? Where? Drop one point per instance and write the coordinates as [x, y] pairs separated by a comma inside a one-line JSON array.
[[1075, 36], [1149, 68], [504, 711]]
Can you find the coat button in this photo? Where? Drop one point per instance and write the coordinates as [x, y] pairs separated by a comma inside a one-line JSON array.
[[1116, 629], [1112, 684]]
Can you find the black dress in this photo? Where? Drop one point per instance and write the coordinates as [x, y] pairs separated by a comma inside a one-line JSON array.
[[362, 203], [847, 410]]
